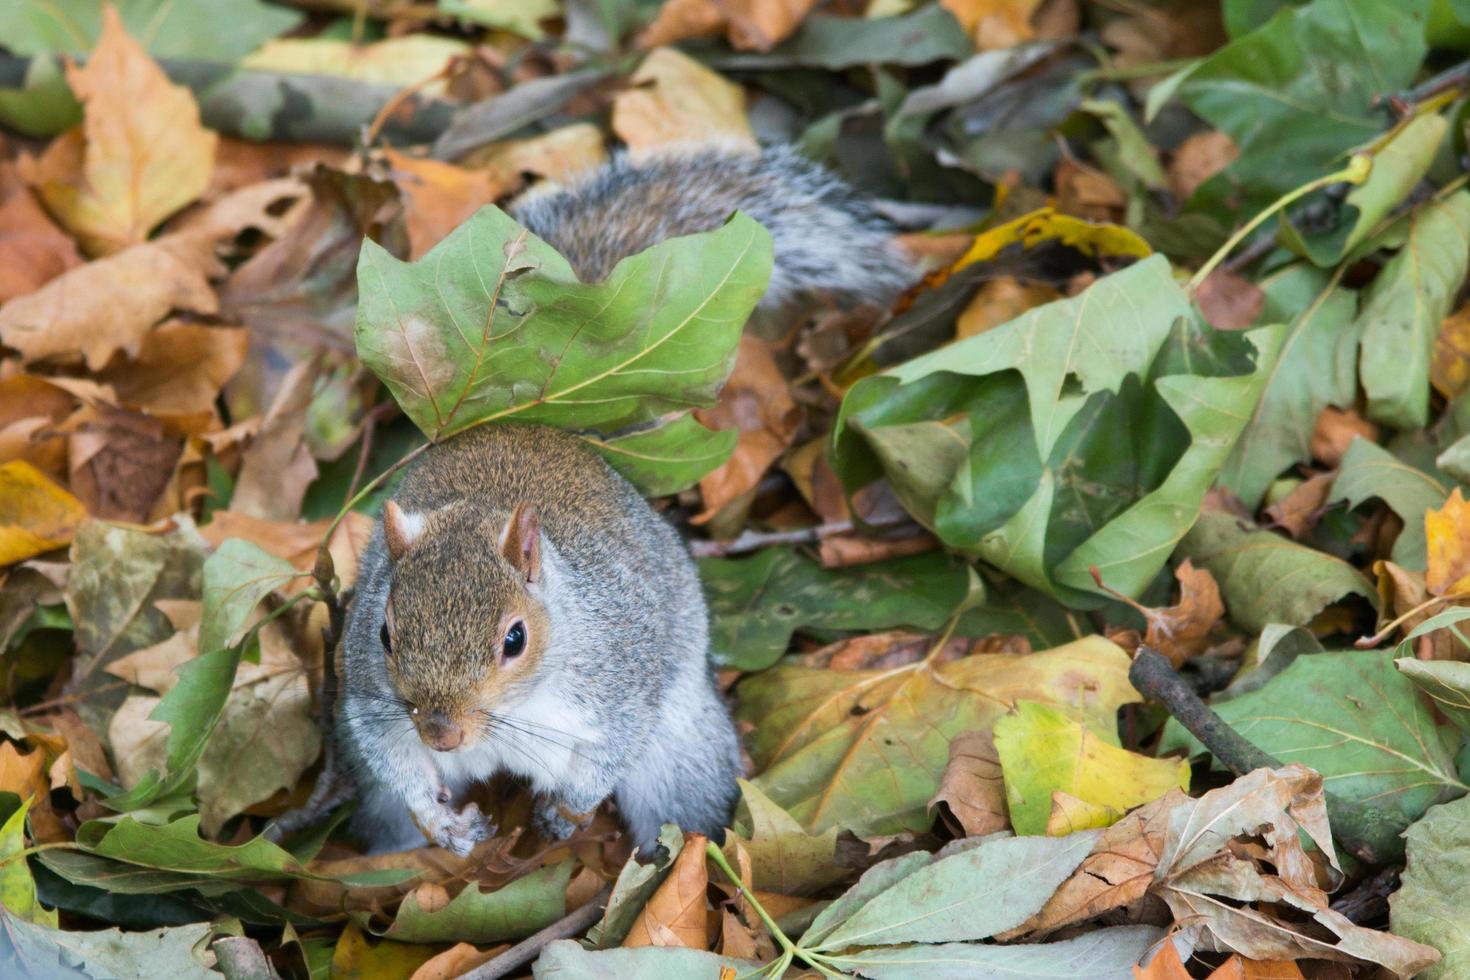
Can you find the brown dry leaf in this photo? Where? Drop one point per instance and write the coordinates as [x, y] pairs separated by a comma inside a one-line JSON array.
[[33, 251], [122, 463], [1228, 301], [456, 961], [1299, 511], [36, 514], [1238, 879], [438, 196], [1448, 531], [239, 163], [1165, 966], [25, 776], [757, 402], [999, 301], [994, 24], [972, 793], [1181, 631], [105, 306], [674, 99], [30, 408], [82, 742], [180, 368], [140, 155], [558, 155], [1335, 430], [1197, 159], [297, 542], [1117, 874], [1088, 192], [676, 914], [1403, 597], [750, 25], [1240, 968], [1449, 370], [278, 467]]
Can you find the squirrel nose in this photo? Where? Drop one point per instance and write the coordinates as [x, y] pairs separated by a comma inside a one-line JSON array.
[[440, 733]]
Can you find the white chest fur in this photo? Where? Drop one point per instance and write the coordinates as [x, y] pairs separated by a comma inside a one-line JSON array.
[[544, 737]]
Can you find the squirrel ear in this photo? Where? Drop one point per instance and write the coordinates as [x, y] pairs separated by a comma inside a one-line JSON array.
[[520, 542], [400, 529]]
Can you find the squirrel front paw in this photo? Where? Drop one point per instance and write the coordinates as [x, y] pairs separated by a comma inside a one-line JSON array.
[[553, 822], [459, 831]]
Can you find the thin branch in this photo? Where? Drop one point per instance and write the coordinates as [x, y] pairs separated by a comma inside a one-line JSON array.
[[526, 950], [749, 541]]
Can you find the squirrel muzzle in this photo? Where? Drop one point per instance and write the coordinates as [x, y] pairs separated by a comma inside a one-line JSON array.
[[440, 732]]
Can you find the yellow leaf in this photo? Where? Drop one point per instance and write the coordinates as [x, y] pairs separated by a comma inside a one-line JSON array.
[[36, 515], [1043, 751], [1449, 371], [400, 61], [1046, 225], [675, 99], [140, 154], [1070, 814], [994, 24], [1448, 534], [355, 959]]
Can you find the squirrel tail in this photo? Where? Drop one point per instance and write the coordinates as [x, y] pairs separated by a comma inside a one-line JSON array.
[[828, 239]]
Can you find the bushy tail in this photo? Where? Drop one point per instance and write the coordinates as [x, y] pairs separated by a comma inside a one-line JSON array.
[[828, 239]]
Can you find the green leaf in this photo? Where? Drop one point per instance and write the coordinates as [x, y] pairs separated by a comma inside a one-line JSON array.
[[927, 35], [1083, 433], [1398, 166], [517, 16], [1429, 906], [1308, 80], [1134, 150], [1356, 720], [757, 603], [166, 28], [565, 959], [1271, 653], [17, 887], [635, 886], [1404, 308], [236, 578], [512, 911], [493, 325], [986, 889], [35, 950], [1367, 471], [1265, 578], [43, 105], [1446, 681], [865, 749], [1043, 751], [669, 457], [1101, 954], [1317, 367], [784, 858]]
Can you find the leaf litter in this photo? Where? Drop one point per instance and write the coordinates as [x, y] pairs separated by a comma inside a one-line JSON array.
[[932, 536]]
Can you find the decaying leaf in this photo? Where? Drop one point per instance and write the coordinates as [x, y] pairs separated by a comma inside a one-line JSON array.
[[972, 791], [675, 99], [676, 914]]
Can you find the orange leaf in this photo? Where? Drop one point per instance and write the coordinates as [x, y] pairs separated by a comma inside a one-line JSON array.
[[33, 251], [140, 155], [36, 515], [1448, 532], [676, 915], [1165, 966], [1449, 371], [1240, 968], [438, 196]]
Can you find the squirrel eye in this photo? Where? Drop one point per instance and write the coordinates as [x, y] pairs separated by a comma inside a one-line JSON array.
[[515, 641], [387, 642]]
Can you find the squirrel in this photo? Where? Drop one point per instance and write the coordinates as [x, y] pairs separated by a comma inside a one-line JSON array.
[[521, 608]]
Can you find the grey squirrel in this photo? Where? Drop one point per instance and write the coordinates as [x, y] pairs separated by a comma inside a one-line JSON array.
[[521, 608]]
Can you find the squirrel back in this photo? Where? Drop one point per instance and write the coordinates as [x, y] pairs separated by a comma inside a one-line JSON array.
[[827, 238]]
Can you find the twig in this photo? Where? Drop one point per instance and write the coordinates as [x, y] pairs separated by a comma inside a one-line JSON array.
[[527, 950], [1355, 825], [755, 540], [1454, 78]]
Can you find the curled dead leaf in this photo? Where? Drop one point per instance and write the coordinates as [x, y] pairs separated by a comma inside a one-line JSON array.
[[677, 913]]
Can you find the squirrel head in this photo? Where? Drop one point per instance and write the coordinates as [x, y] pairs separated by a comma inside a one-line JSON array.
[[465, 623]]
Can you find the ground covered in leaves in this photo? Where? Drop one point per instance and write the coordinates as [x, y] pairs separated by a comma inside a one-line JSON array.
[[1180, 410]]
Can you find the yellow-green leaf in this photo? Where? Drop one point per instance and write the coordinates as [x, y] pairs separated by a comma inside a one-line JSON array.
[[36, 515]]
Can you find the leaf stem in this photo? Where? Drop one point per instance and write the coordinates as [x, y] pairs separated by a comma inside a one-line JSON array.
[[1355, 172], [789, 948], [69, 845]]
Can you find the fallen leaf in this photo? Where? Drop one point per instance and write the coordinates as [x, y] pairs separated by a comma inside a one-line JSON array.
[[122, 464], [994, 24], [140, 155], [1197, 159], [33, 251], [456, 961], [413, 59], [756, 402], [1165, 966], [972, 791], [179, 369], [107, 305], [1180, 631], [783, 857], [999, 301], [278, 467], [1042, 751], [674, 99], [676, 914], [750, 25], [1447, 531], [17, 886], [558, 155], [438, 196], [36, 515], [354, 956], [1427, 905], [1301, 508], [30, 409], [297, 542], [1335, 431], [24, 774], [1229, 301], [1241, 968]]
